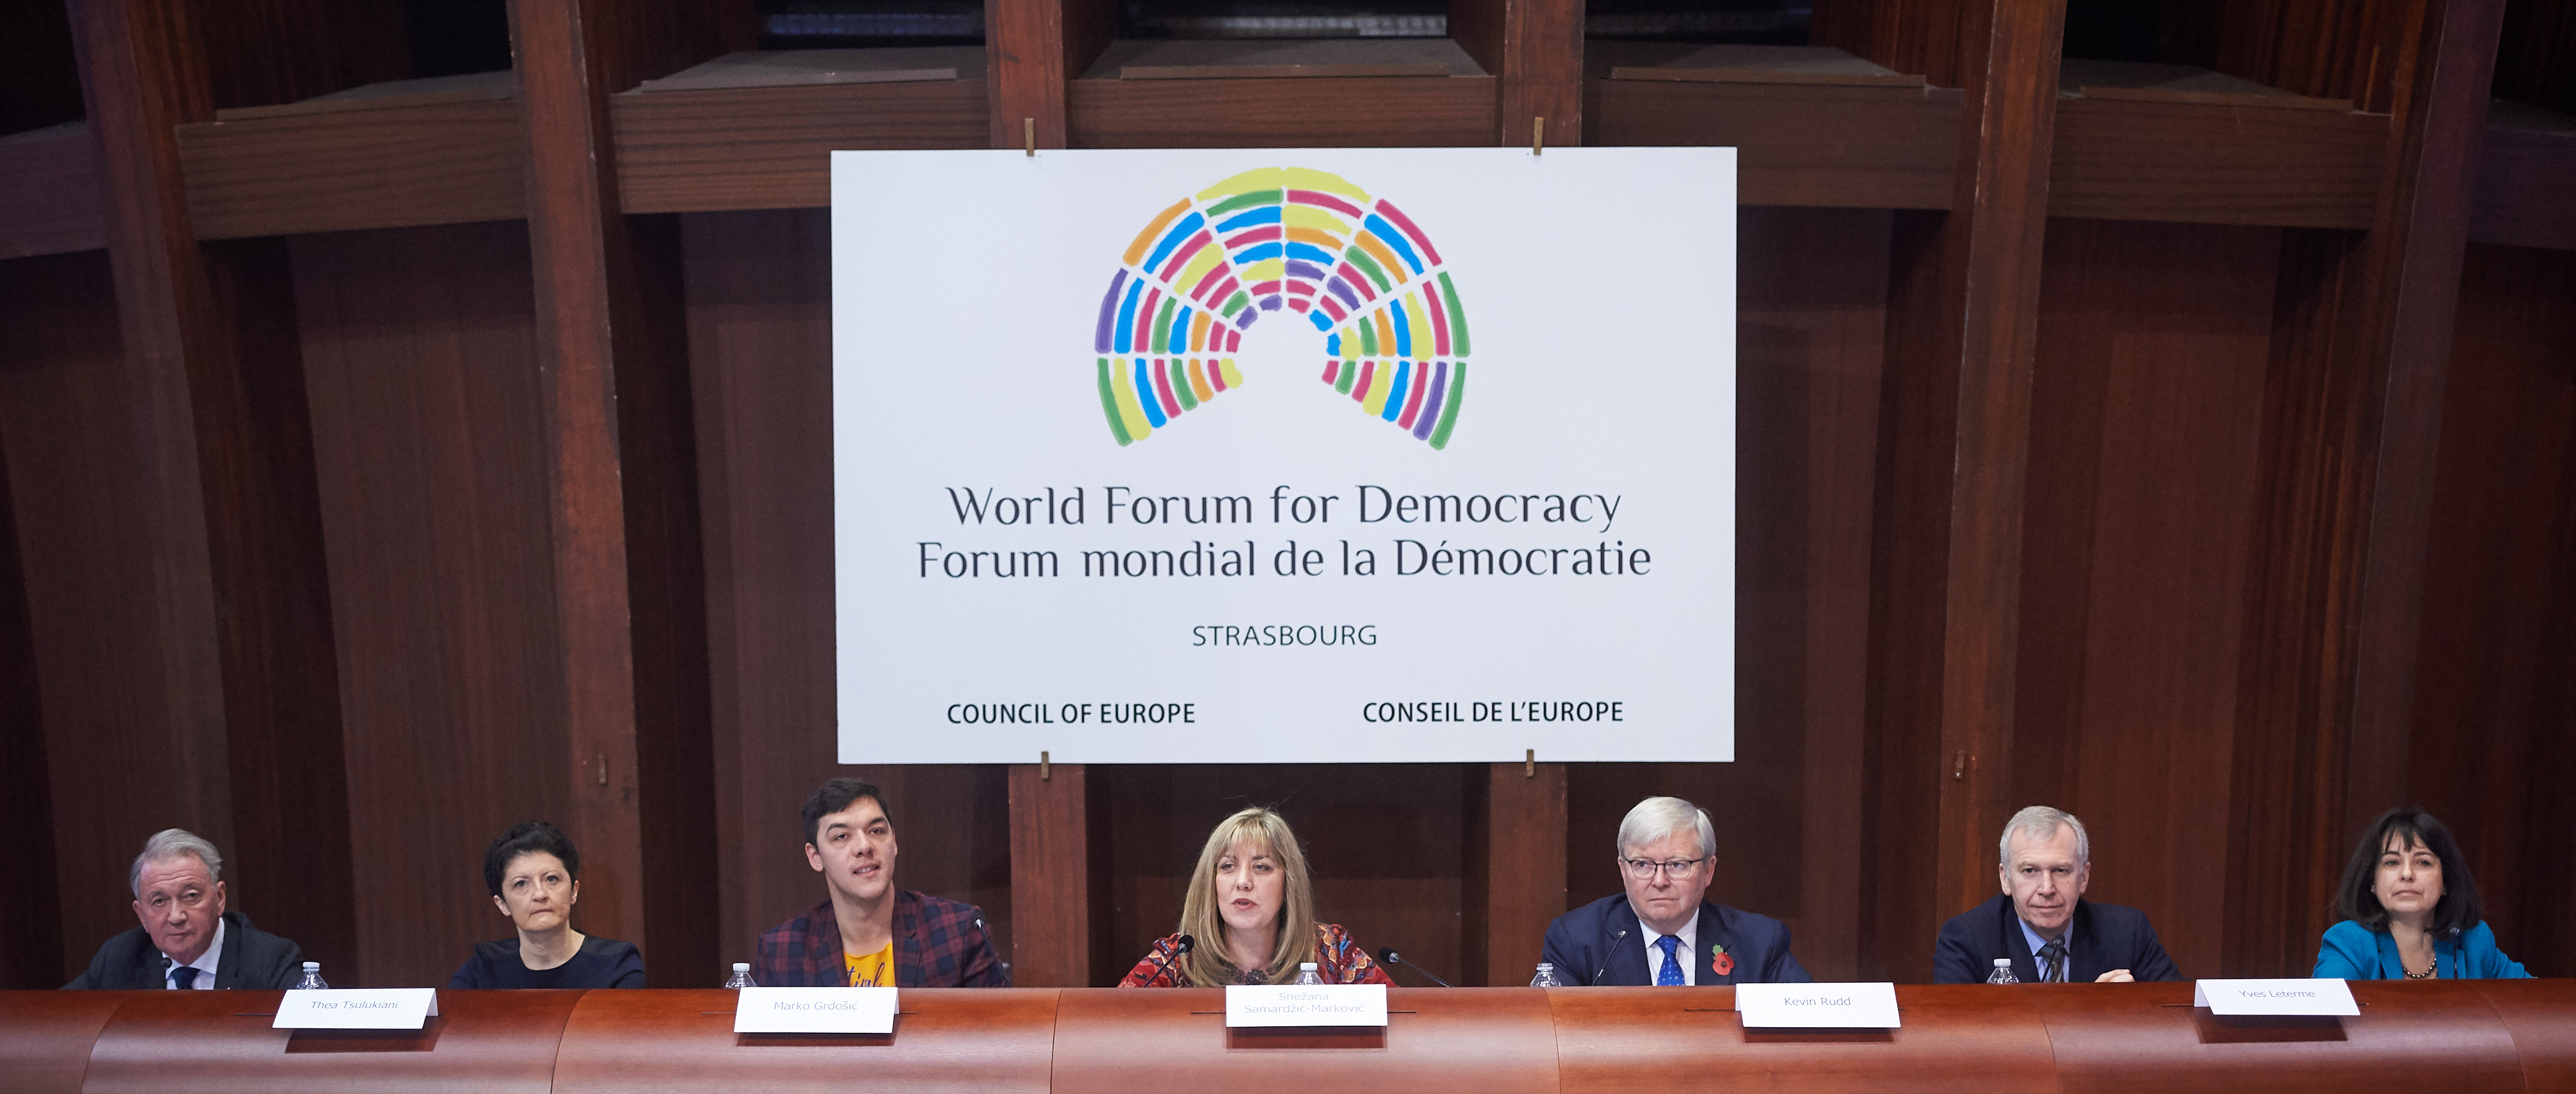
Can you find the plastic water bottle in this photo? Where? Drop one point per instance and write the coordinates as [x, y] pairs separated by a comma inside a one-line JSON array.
[[1306, 973], [2003, 973], [312, 977], [1546, 977], [741, 977]]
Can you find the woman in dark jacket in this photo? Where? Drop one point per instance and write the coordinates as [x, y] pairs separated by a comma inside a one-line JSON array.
[[535, 876]]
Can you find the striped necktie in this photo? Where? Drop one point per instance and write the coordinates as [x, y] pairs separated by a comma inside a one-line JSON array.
[[2054, 956]]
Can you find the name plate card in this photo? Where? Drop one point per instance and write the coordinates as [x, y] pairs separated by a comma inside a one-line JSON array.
[[814, 1010], [356, 1008], [2288, 996], [1305, 1004], [1817, 1006]]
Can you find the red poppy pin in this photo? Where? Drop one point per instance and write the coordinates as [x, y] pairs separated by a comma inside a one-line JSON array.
[[1722, 961]]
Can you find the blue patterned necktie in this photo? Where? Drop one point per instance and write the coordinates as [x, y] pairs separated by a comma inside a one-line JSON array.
[[184, 977], [1670, 976]]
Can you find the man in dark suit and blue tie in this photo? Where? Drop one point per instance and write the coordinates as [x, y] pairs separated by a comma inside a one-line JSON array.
[[2041, 921], [1661, 931]]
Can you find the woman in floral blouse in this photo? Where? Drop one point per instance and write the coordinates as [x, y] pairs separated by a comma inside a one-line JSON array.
[[1250, 915]]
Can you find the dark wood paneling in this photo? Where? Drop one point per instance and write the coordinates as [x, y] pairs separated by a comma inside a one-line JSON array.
[[2524, 178], [2216, 164], [759, 313], [1523, 874], [39, 72], [421, 371], [49, 193], [1036, 47], [770, 148], [2492, 753], [2146, 427], [2531, 67], [444, 163], [31, 911], [1318, 112], [1887, 148], [1060, 887], [1385, 844]]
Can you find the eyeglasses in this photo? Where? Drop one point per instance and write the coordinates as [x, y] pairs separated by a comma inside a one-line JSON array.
[[1643, 869]]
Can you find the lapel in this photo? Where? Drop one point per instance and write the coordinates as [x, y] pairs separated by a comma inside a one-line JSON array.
[[908, 963], [1626, 960], [2014, 946], [228, 964], [1710, 933], [824, 966], [2085, 958]]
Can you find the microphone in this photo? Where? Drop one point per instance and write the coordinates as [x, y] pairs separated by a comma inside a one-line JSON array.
[[1615, 940], [1390, 958], [1171, 955]]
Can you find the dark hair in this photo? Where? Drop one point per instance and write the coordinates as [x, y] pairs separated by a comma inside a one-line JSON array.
[[836, 795], [528, 838], [2358, 899]]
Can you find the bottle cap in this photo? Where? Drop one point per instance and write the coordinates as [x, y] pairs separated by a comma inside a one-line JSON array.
[[1546, 965], [1305, 966], [2003, 962], [310, 966]]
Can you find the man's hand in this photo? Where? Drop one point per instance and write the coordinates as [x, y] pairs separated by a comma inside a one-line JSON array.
[[2115, 976]]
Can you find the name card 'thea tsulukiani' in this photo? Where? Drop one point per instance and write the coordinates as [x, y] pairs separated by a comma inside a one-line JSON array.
[[356, 1008], [2288, 996], [1817, 1006], [814, 1010], [1305, 1005]]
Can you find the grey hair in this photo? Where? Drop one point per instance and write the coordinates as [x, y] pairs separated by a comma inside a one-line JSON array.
[[2039, 822], [171, 843], [1655, 818]]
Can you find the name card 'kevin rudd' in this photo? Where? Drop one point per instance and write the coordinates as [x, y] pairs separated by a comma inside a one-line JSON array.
[[1817, 1006]]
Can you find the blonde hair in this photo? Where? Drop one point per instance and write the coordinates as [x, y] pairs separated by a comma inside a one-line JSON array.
[[1208, 964]]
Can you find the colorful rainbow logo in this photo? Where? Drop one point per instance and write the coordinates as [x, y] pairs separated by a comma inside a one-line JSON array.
[[1395, 336]]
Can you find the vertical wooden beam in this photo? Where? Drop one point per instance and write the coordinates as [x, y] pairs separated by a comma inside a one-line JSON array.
[[1522, 869], [2352, 434], [1963, 322], [1033, 49], [31, 913], [1055, 872], [1534, 50], [242, 731]]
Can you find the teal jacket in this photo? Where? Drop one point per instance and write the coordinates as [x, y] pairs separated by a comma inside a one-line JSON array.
[[2354, 952]]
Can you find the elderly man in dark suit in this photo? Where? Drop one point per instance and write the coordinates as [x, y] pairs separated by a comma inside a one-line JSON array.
[[187, 940], [866, 932], [2041, 922], [1662, 931]]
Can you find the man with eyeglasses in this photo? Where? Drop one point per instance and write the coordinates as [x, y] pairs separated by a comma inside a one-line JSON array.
[[187, 940], [1662, 931]]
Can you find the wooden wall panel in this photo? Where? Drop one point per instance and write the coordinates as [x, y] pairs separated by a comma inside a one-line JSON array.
[[2492, 750], [1310, 112], [421, 370], [2145, 436], [758, 305], [67, 423]]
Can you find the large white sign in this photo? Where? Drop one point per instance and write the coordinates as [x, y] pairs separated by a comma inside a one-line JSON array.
[[1284, 455]]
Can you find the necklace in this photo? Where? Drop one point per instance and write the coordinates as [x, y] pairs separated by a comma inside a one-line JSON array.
[[2427, 974]]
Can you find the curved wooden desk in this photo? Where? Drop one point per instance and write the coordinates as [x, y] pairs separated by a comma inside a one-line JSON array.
[[995, 1039], [2037, 1038]]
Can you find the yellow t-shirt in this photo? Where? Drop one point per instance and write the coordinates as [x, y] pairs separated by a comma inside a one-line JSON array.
[[874, 970]]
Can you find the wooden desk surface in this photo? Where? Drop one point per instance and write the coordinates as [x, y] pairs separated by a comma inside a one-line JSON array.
[[2449, 1035]]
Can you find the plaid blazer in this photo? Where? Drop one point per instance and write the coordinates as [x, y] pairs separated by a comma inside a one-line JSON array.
[[937, 944]]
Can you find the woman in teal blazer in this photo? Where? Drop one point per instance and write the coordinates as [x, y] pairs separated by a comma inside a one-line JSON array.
[[2410, 909]]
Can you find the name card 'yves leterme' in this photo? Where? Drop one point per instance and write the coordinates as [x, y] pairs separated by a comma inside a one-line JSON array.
[[1817, 1006], [814, 1010], [1305, 1004], [2315, 997], [356, 1008]]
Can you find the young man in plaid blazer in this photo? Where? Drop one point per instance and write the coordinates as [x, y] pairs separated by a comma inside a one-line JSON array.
[[867, 933]]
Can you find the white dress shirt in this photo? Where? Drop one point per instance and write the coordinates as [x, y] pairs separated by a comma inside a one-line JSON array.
[[206, 962], [1688, 960]]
